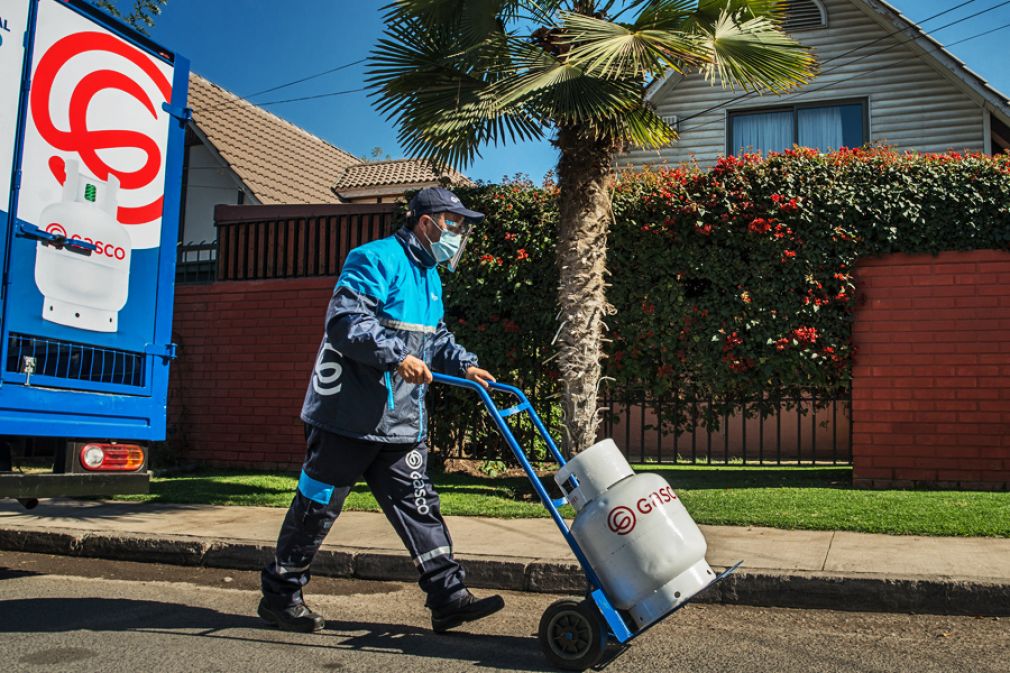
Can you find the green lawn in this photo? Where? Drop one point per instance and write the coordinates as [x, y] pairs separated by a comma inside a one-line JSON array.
[[812, 498]]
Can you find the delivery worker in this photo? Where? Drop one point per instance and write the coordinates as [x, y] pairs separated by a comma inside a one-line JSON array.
[[364, 413]]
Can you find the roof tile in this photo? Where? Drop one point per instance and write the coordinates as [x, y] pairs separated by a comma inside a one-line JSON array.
[[278, 161]]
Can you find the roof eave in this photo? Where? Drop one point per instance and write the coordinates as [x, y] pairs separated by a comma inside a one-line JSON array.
[[995, 101], [225, 164]]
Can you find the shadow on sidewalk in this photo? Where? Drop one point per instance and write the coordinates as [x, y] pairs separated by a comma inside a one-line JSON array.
[[55, 615]]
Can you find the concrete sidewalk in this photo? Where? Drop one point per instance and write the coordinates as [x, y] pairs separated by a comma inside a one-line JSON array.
[[781, 568]]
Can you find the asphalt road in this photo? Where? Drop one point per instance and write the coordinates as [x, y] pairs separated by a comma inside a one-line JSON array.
[[81, 615]]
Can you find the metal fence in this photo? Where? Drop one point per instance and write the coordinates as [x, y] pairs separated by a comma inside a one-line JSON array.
[[800, 431], [792, 431], [196, 262]]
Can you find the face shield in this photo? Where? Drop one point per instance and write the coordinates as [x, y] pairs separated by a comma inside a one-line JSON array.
[[458, 230]]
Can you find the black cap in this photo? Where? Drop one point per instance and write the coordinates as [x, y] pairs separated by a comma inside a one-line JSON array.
[[438, 200]]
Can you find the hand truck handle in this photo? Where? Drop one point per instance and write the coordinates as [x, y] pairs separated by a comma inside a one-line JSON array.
[[499, 415]]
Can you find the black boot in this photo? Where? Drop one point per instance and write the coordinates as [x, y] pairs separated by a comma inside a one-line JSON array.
[[467, 608], [293, 618]]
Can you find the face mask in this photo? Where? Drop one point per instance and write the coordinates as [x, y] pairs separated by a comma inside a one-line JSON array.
[[448, 248]]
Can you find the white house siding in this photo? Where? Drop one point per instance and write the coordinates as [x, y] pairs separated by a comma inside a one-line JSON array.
[[207, 185], [912, 104]]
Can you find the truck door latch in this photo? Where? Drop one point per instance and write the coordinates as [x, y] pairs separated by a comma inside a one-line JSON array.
[[167, 351], [58, 241]]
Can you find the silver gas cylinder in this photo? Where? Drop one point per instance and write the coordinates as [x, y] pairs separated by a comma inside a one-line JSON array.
[[636, 534]]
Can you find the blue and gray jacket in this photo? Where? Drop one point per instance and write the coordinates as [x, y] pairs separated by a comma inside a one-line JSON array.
[[387, 304]]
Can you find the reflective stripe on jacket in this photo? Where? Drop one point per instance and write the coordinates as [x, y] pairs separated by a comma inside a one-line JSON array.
[[387, 304]]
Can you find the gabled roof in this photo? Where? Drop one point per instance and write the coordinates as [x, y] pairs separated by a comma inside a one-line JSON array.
[[279, 162], [931, 50], [394, 172]]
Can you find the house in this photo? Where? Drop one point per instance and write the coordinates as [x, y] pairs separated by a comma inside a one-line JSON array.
[[238, 153], [882, 80], [386, 181]]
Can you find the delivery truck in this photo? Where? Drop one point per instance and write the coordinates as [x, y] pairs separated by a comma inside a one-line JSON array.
[[92, 131]]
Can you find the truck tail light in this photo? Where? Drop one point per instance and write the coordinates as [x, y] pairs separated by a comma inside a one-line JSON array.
[[112, 457]]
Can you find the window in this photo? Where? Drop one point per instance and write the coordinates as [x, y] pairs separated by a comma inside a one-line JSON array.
[[823, 127], [804, 15]]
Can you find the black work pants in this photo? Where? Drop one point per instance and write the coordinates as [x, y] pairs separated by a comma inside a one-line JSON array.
[[398, 478]]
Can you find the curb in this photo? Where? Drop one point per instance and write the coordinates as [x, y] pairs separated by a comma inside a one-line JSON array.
[[797, 589]]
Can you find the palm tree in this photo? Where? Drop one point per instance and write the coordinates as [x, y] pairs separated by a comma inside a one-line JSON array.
[[454, 75]]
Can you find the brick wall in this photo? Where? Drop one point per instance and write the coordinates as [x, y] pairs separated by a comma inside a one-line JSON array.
[[931, 382], [245, 353]]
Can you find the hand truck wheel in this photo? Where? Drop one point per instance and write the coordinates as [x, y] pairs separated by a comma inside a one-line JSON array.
[[573, 634]]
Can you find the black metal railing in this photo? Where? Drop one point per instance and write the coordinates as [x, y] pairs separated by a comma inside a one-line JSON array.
[[790, 430], [196, 262], [807, 430]]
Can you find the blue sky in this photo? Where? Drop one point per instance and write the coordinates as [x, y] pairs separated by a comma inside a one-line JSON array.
[[242, 47]]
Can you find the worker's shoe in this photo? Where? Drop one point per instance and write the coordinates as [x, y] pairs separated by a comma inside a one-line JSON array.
[[467, 608], [292, 618]]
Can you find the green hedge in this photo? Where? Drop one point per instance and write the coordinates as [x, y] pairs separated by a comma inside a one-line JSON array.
[[730, 284]]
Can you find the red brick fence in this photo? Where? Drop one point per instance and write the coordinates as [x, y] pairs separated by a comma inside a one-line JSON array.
[[931, 383], [930, 393]]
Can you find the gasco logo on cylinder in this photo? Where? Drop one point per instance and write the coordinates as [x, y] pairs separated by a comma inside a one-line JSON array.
[[623, 519]]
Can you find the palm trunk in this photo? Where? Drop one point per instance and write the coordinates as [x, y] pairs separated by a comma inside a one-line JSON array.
[[585, 176]]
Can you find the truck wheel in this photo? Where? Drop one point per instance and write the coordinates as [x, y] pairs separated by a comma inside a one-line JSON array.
[[573, 634]]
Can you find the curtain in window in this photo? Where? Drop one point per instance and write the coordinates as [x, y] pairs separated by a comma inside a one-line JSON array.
[[821, 127], [764, 131]]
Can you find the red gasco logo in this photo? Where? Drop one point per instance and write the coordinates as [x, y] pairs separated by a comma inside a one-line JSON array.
[[89, 143], [103, 249], [623, 519]]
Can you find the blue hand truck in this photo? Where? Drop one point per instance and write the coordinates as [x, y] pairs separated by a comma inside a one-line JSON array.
[[574, 634]]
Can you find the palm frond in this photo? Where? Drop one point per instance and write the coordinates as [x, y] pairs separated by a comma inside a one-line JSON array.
[[475, 18], [438, 95], [642, 127], [755, 54], [612, 50], [712, 10], [558, 91]]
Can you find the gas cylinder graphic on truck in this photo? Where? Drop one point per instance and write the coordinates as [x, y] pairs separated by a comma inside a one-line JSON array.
[[636, 534], [80, 290]]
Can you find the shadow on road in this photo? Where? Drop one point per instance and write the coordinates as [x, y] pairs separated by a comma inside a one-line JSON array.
[[13, 573], [54, 615]]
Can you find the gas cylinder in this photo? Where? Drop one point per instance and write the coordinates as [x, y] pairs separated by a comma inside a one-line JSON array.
[[644, 547], [80, 290]]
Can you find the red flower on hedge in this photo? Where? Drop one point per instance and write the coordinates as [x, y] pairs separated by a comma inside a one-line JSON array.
[[703, 229], [732, 341], [740, 366], [522, 254], [648, 309], [805, 335], [759, 225]]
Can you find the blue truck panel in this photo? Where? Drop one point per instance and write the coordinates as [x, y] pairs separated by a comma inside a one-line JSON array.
[[89, 217]]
